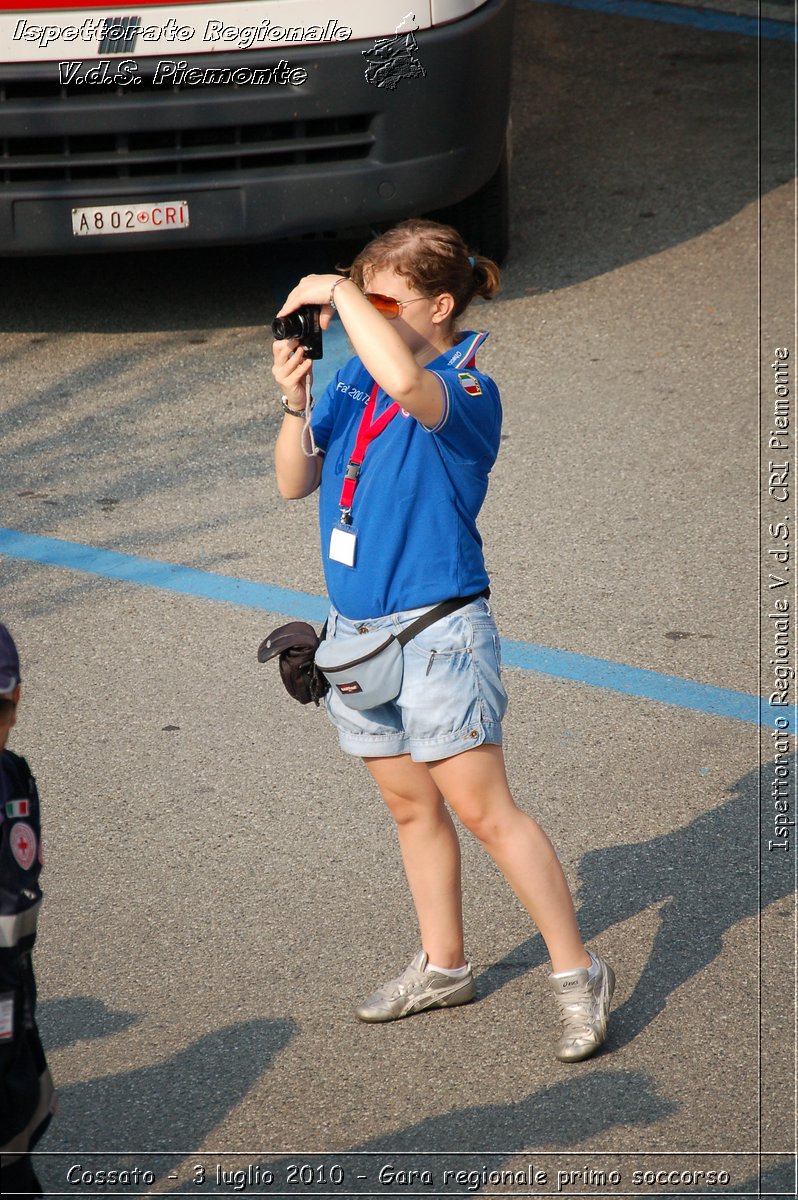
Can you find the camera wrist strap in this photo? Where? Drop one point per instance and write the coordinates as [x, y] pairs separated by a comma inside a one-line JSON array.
[[307, 430], [368, 430]]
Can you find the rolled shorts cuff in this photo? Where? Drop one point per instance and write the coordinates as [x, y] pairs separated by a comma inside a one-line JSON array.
[[433, 749], [367, 745], [371, 745]]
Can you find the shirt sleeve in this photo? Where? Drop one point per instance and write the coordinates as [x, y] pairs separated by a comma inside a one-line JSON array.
[[470, 425]]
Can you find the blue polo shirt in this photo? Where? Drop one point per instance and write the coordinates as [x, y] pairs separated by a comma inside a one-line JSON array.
[[419, 492]]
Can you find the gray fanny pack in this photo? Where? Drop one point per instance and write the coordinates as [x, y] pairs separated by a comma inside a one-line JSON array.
[[367, 670]]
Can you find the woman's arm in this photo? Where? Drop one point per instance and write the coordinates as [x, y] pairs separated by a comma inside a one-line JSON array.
[[380, 348], [297, 473]]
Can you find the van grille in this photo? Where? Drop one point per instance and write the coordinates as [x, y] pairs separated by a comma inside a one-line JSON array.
[[140, 147]]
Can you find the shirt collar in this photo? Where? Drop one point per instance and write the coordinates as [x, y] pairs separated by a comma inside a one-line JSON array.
[[462, 354]]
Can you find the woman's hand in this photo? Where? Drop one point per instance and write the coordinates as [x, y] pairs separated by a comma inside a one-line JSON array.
[[291, 365], [290, 370], [312, 289], [394, 359]]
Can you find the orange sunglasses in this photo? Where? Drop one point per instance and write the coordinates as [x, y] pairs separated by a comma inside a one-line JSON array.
[[389, 307]]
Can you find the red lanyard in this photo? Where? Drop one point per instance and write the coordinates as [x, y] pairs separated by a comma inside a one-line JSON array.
[[368, 430]]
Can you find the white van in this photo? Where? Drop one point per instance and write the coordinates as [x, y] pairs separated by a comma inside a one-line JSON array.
[[153, 124]]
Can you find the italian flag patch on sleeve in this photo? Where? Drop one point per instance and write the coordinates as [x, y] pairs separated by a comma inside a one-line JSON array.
[[469, 384]]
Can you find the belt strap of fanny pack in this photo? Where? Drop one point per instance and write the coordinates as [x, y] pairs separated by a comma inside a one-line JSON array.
[[436, 613]]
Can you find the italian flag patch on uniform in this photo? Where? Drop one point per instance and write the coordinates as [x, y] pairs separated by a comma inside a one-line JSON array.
[[469, 383]]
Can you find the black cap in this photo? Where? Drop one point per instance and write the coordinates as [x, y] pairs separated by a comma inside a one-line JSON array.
[[9, 661], [297, 634]]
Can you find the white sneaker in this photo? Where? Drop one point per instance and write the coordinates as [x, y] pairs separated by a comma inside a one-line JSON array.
[[584, 1002], [415, 990]]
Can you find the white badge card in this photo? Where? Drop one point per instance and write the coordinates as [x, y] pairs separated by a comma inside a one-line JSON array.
[[343, 544]]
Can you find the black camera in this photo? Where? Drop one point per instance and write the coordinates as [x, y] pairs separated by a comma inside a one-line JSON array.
[[303, 324]]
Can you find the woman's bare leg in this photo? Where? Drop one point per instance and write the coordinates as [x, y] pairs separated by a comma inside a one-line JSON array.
[[430, 852], [475, 786]]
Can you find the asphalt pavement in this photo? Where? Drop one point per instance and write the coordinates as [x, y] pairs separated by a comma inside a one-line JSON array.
[[222, 885]]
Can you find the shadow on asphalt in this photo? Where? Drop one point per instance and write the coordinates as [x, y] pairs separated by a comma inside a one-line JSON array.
[[566, 1114], [704, 878], [193, 1090], [198, 1086], [79, 1019], [629, 137], [560, 1116]]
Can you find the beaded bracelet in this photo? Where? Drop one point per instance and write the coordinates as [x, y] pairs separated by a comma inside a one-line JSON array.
[[294, 412]]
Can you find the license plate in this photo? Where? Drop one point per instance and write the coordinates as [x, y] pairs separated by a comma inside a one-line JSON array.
[[99, 219]]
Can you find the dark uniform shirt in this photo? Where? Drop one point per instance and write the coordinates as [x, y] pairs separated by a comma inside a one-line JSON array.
[[26, 1090]]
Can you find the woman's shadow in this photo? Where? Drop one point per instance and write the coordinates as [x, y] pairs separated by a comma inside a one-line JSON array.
[[704, 878]]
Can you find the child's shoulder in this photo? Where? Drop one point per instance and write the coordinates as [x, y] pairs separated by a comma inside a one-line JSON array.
[[15, 768]]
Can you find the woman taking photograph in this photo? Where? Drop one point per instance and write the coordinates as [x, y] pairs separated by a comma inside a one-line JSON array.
[[403, 441]]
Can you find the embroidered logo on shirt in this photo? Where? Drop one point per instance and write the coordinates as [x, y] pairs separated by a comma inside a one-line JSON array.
[[351, 390], [23, 844], [469, 384]]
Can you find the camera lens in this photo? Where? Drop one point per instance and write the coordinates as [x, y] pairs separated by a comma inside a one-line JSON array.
[[290, 326]]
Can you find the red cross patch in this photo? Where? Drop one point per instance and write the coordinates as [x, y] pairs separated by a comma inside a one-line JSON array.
[[23, 844]]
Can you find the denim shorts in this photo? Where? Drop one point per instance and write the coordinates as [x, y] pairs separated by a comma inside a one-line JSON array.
[[452, 698]]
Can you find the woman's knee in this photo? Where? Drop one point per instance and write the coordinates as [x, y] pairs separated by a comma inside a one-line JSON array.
[[409, 808], [475, 787], [491, 815], [482, 820], [407, 789]]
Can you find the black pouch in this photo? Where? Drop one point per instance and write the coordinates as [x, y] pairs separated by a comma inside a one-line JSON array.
[[295, 645]]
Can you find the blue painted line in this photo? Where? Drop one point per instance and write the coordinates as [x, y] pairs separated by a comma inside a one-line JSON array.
[[129, 568], [674, 14], [633, 681], [560, 664]]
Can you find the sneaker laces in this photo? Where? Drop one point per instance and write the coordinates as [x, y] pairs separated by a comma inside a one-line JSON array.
[[405, 982], [575, 1009]]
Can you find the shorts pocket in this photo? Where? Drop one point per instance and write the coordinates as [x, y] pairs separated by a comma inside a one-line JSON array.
[[443, 639]]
